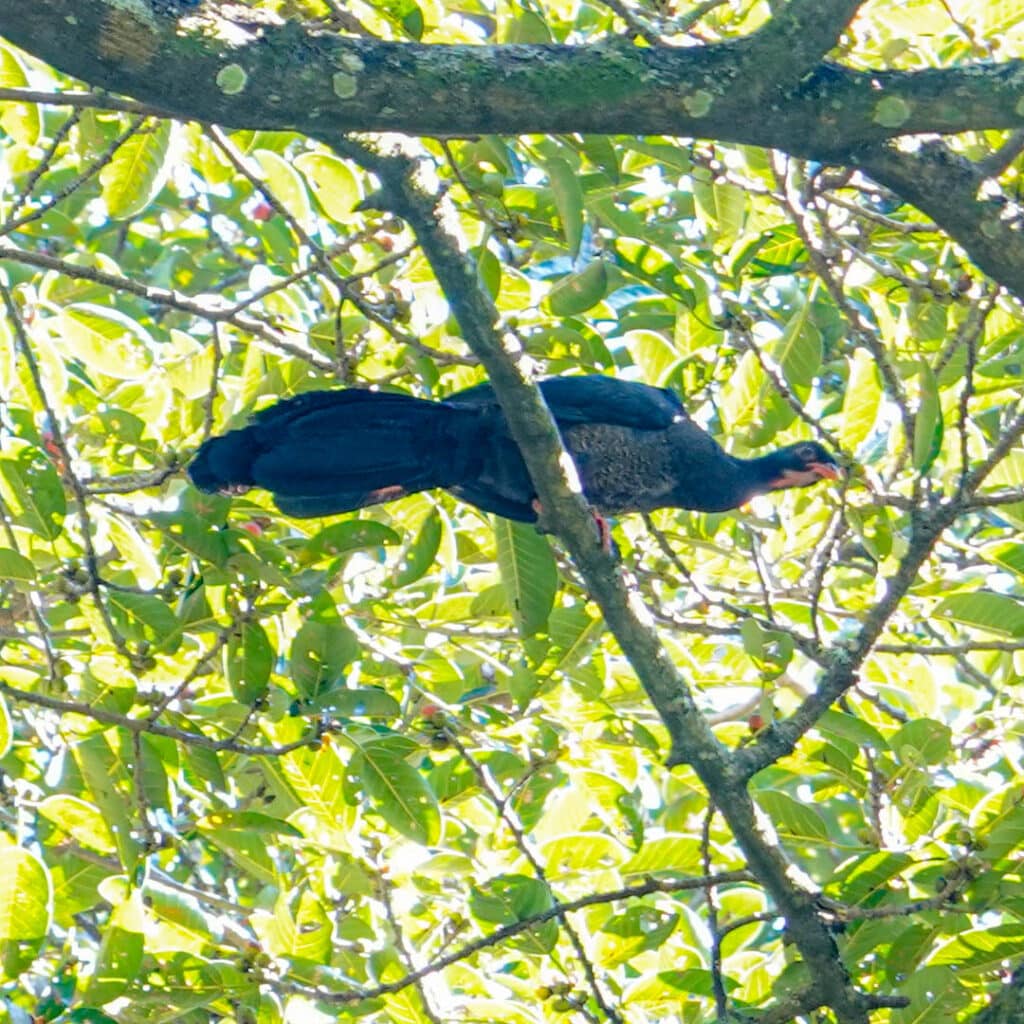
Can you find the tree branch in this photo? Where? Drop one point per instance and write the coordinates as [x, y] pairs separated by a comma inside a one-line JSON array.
[[947, 188], [286, 75], [290, 76], [534, 431], [796, 39]]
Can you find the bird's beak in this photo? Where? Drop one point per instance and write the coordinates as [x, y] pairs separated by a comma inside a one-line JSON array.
[[828, 470]]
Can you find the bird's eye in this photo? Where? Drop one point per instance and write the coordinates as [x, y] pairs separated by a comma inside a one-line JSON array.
[[806, 451]]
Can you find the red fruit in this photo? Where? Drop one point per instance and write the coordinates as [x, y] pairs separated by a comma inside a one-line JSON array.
[[51, 449], [261, 210]]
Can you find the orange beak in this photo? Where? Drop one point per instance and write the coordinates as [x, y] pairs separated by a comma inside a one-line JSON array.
[[828, 470]]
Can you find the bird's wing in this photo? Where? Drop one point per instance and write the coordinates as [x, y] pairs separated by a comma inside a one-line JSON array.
[[596, 399]]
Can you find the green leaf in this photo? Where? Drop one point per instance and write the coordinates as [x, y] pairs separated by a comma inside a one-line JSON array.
[[860, 404], [24, 908], [847, 727], [358, 702], [874, 527], [507, 899], [861, 878], [33, 493], [576, 293], [927, 421], [931, 741], [248, 660], [582, 851], [936, 997], [723, 208], [793, 819], [695, 331], [314, 776], [574, 632], [103, 773], [528, 27], [332, 182], [748, 400], [398, 793], [528, 573], [909, 949], [177, 908], [15, 566], [780, 251], [321, 651], [798, 351], [488, 271], [1008, 554], [565, 185], [6, 727], [22, 122], [639, 928], [117, 964], [420, 555], [996, 613], [81, 820], [287, 186], [1004, 835], [771, 650], [89, 1015], [138, 170], [248, 822], [299, 927], [143, 617], [105, 340], [654, 354], [672, 853]]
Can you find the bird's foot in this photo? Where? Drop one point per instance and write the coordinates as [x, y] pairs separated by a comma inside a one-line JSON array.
[[604, 535], [604, 530]]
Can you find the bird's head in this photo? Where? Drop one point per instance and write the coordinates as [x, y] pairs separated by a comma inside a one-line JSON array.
[[802, 464]]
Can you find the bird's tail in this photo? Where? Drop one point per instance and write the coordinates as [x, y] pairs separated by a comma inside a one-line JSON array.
[[334, 451]]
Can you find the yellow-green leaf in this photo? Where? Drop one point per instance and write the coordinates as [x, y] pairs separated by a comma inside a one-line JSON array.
[[105, 341], [25, 908], [860, 404], [286, 185], [333, 183], [528, 573], [138, 170]]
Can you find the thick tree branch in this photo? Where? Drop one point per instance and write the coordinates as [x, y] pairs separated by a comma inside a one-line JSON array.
[[288, 76], [947, 188], [795, 41]]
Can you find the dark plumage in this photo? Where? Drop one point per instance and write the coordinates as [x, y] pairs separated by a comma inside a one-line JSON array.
[[634, 446]]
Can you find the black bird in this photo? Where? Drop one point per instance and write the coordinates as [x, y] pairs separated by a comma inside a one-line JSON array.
[[634, 446]]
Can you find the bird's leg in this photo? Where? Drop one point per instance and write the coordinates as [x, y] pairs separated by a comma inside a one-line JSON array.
[[604, 530]]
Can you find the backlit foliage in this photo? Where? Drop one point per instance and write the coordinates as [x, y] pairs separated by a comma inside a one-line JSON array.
[[256, 768]]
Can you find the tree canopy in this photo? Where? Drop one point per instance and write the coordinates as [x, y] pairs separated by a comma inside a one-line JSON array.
[[418, 763]]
